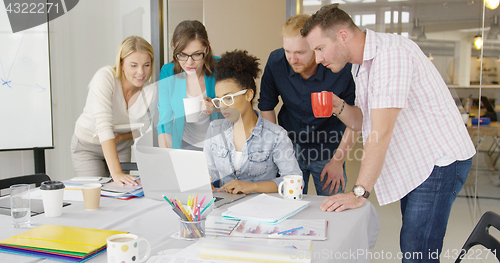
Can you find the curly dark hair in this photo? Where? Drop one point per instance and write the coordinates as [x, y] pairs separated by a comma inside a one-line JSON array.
[[328, 17], [239, 66]]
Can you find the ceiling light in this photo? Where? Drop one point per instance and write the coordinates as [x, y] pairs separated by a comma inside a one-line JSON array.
[[491, 4], [478, 42]]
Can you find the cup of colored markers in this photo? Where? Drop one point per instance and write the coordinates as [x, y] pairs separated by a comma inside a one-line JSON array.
[[192, 229], [192, 216]]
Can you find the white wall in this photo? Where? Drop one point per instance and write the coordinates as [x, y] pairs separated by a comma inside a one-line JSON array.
[[178, 11], [249, 25], [82, 41]]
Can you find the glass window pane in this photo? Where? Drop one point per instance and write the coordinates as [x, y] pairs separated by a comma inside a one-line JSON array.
[[387, 17], [405, 17], [357, 19], [368, 19]]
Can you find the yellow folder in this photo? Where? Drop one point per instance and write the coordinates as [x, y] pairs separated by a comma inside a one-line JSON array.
[[62, 238]]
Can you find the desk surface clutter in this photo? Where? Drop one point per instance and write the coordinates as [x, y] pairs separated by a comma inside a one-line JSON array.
[[308, 236], [64, 243]]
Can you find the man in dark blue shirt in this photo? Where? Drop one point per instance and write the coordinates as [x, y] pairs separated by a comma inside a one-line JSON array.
[[321, 144]]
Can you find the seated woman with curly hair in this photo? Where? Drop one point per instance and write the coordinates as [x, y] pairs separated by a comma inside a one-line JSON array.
[[245, 151]]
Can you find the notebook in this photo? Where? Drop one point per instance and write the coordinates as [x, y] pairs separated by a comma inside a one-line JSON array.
[[265, 209], [62, 243], [177, 173]]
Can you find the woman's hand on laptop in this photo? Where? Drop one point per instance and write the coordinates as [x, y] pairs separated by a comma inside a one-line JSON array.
[[125, 179], [237, 187]]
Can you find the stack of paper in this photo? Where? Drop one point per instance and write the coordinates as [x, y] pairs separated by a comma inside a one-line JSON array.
[[311, 229], [63, 243], [124, 192], [265, 208], [255, 250]]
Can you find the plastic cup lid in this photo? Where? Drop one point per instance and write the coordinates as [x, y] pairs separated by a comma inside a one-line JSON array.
[[52, 185]]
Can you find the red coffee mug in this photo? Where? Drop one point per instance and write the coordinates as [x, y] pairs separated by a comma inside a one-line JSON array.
[[322, 104]]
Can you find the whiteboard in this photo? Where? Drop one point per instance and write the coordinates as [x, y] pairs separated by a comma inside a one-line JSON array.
[[25, 95]]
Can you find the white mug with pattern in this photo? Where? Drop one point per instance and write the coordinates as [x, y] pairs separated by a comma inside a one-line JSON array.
[[291, 187], [124, 248]]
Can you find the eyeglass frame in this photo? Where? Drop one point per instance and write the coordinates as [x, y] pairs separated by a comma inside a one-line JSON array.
[[221, 99], [191, 56]]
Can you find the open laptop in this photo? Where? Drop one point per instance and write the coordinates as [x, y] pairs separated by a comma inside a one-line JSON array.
[[159, 169]]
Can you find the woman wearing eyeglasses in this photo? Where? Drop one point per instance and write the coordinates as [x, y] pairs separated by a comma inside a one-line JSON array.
[[245, 151], [189, 75]]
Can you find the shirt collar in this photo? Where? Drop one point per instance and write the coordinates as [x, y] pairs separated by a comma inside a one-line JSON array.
[[370, 48], [257, 130], [319, 75]]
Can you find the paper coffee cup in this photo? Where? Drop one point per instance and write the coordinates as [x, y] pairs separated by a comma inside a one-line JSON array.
[[52, 196], [91, 196], [192, 109]]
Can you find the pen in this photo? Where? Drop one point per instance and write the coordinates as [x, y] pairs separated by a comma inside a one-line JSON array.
[[137, 178], [199, 214], [289, 230], [195, 201], [202, 200], [208, 205], [170, 203], [175, 208], [182, 209]]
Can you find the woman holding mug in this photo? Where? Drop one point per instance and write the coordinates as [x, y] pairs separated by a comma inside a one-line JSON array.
[[119, 95], [190, 76], [245, 151]]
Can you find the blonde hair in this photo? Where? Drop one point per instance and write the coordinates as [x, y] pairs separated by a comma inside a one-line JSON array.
[[293, 25], [128, 46]]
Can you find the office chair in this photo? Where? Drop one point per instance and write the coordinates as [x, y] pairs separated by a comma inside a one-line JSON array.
[[481, 236], [36, 179]]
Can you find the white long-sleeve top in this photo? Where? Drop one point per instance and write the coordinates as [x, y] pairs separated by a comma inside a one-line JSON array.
[[106, 107]]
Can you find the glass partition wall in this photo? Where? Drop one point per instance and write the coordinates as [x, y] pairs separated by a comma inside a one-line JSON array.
[[461, 38], [446, 31]]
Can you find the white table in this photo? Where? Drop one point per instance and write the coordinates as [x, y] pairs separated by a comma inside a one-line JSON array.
[[349, 232]]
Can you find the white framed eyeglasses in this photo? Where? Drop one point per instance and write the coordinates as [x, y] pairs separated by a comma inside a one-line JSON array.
[[228, 100]]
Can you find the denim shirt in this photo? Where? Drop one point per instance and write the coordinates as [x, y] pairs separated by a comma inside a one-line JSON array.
[[267, 151]]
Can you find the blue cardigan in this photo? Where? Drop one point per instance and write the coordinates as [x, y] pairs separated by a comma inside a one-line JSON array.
[[171, 91]]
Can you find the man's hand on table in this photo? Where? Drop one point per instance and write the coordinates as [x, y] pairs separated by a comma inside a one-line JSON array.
[[341, 202]]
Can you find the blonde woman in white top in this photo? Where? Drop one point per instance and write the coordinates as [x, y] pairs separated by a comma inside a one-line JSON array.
[[117, 95]]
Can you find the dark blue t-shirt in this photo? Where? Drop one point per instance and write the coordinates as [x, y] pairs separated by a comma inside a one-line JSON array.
[[318, 136]]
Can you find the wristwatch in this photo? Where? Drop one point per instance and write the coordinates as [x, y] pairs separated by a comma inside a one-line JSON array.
[[360, 191]]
